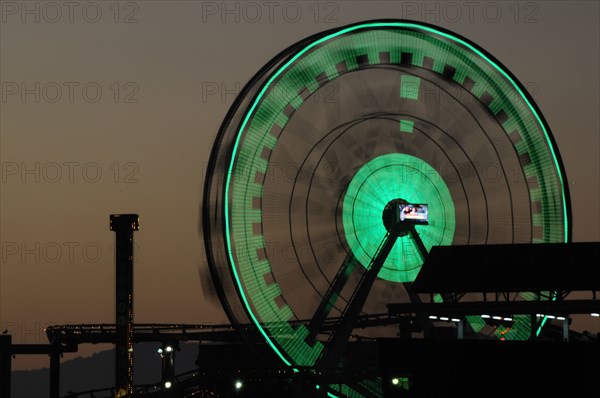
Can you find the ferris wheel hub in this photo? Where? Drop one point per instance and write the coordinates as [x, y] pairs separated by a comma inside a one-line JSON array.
[[391, 214]]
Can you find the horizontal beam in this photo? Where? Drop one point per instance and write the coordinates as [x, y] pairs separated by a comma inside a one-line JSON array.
[[497, 307], [105, 333], [110, 336]]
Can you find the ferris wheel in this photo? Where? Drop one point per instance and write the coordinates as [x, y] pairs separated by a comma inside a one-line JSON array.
[[324, 148]]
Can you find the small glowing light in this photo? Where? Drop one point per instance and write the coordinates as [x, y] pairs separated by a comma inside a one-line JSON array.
[[561, 318], [432, 317], [539, 315], [509, 319], [497, 317], [455, 320], [238, 385], [317, 386], [484, 316], [595, 314], [169, 348], [550, 316], [395, 381], [160, 351], [443, 318], [168, 384]]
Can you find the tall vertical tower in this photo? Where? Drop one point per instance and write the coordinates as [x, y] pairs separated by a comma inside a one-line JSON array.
[[123, 225]]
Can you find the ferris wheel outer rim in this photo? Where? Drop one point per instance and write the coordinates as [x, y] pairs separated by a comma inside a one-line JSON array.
[[284, 57]]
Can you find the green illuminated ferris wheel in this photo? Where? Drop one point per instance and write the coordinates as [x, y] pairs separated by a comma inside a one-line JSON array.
[[329, 134]]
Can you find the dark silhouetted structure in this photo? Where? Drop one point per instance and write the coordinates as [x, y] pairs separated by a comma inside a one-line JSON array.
[[510, 268], [448, 368], [53, 350], [123, 225], [5, 364]]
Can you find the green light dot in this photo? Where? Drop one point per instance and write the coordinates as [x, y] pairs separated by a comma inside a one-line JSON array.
[[407, 126], [409, 87]]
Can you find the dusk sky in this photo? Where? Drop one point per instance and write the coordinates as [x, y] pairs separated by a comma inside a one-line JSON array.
[[112, 107]]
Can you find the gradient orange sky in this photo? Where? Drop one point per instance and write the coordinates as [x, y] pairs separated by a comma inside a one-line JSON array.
[[113, 107]]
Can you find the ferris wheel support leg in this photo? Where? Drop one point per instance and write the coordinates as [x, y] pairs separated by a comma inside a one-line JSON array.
[[414, 297], [419, 243], [328, 363], [330, 298], [422, 250]]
